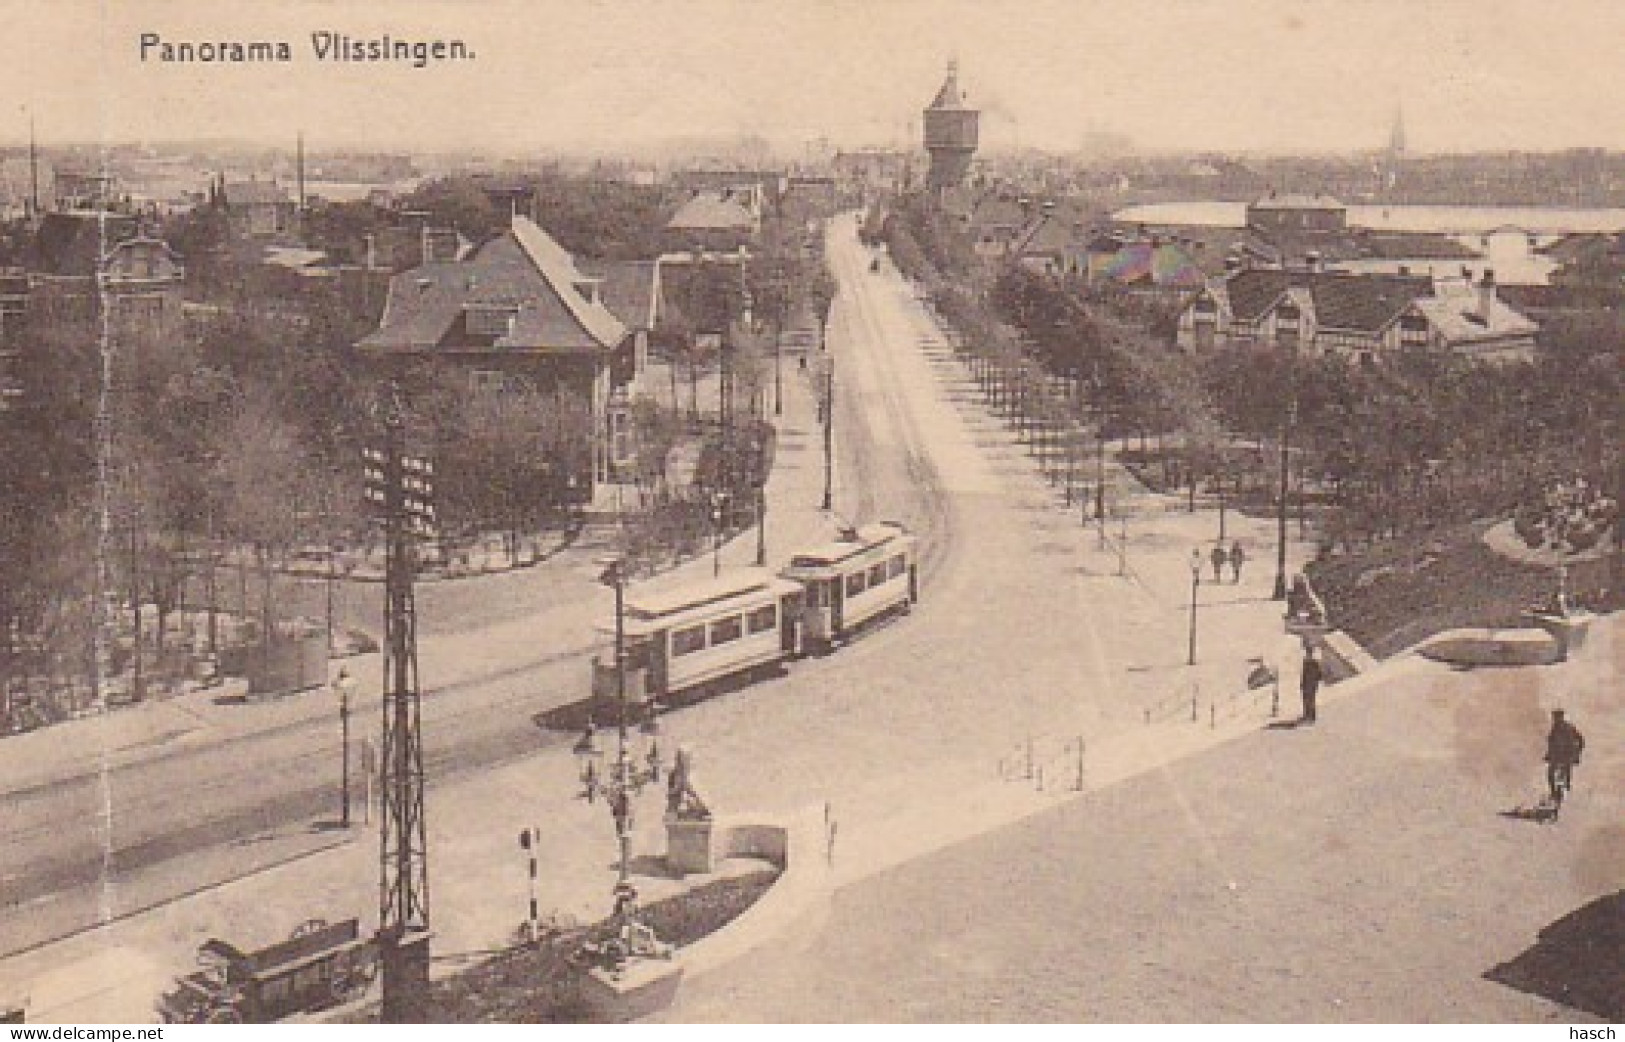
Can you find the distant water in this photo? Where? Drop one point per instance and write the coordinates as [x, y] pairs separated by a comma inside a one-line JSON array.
[[1506, 236], [1546, 221]]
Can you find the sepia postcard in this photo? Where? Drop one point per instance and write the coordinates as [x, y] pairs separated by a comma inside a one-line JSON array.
[[812, 511]]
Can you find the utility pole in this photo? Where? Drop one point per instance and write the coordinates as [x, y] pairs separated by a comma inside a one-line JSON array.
[[403, 895], [829, 433], [1281, 506]]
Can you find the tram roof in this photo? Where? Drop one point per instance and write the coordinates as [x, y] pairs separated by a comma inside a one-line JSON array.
[[650, 605], [868, 537]]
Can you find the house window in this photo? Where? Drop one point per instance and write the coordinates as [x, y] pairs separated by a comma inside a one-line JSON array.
[[484, 320], [487, 381]]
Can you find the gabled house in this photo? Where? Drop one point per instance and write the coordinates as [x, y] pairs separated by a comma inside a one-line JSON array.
[[517, 312], [97, 265], [258, 208], [721, 220], [1362, 317]]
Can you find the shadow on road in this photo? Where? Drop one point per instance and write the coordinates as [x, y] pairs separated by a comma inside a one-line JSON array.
[[1578, 961]]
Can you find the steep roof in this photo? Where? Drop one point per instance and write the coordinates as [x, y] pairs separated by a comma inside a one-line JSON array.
[[75, 242], [1161, 265], [523, 270], [1358, 303], [712, 211], [949, 97], [631, 290], [1456, 311]]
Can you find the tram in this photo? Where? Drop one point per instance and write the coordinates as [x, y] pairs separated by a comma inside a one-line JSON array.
[[871, 571], [681, 638]]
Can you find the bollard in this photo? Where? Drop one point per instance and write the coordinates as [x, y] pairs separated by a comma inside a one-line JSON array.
[[1193, 709], [1080, 763], [1038, 778], [529, 840], [1212, 715], [1029, 756], [1148, 718]]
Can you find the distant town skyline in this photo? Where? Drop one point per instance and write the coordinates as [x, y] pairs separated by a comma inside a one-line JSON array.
[[617, 75]]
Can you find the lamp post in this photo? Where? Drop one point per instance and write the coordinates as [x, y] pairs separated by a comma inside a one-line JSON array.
[[1100, 447], [343, 686], [829, 432], [1196, 581], [626, 778], [1218, 479], [719, 509], [761, 524], [778, 375], [1281, 505]]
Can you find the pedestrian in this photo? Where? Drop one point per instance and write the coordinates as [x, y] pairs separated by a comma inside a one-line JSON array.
[[1564, 743], [1219, 558], [1309, 684], [1238, 557]]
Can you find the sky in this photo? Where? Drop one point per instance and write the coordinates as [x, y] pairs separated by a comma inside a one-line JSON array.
[[1236, 76]]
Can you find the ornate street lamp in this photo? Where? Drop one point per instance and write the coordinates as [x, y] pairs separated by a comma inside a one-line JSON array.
[[626, 777]]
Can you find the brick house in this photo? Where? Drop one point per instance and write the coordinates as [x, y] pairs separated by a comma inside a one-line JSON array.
[[516, 312]]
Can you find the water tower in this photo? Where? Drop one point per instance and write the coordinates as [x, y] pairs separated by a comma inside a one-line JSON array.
[[950, 134]]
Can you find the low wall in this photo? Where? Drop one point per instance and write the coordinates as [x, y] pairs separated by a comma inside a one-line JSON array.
[[651, 985], [1486, 647]]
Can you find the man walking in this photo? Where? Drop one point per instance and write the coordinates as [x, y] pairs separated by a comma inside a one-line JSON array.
[[1309, 684], [1237, 558], [1564, 743], [1218, 557]]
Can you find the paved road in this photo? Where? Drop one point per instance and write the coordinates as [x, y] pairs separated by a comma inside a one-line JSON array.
[[1026, 631]]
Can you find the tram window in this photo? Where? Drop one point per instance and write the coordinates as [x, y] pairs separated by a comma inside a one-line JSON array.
[[816, 597], [877, 574], [724, 630], [898, 566], [762, 619], [854, 584], [637, 654], [688, 640]]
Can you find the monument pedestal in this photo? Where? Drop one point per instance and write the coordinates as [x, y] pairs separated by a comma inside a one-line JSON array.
[[688, 844]]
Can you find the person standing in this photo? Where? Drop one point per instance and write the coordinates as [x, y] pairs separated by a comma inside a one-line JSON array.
[[1564, 743], [1219, 557], [1238, 557], [1309, 684]]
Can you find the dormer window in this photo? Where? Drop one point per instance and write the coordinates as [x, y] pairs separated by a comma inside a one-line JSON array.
[[1413, 330], [494, 320]]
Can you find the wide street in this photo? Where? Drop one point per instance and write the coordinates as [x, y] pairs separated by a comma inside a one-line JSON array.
[[1027, 638]]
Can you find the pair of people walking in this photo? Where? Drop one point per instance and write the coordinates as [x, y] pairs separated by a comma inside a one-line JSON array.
[[1235, 557]]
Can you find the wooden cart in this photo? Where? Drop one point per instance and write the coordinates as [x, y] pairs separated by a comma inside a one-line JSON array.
[[322, 964]]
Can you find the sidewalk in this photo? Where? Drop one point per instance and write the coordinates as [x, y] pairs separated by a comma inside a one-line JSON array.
[[902, 734]]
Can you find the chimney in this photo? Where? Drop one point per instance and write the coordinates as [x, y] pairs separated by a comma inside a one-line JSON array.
[[1486, 297], [425, 244], [372, 251]]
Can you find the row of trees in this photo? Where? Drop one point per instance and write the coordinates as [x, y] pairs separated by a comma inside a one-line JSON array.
[[1425, 441]]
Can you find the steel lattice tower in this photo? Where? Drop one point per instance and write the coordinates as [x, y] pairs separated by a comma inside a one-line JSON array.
[[403, 891]]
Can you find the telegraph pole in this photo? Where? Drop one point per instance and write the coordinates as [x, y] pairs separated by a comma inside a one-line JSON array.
[[403, 892], [829, 433]]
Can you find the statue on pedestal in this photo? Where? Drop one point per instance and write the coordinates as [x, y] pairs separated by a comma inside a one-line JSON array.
[[682, 801]]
